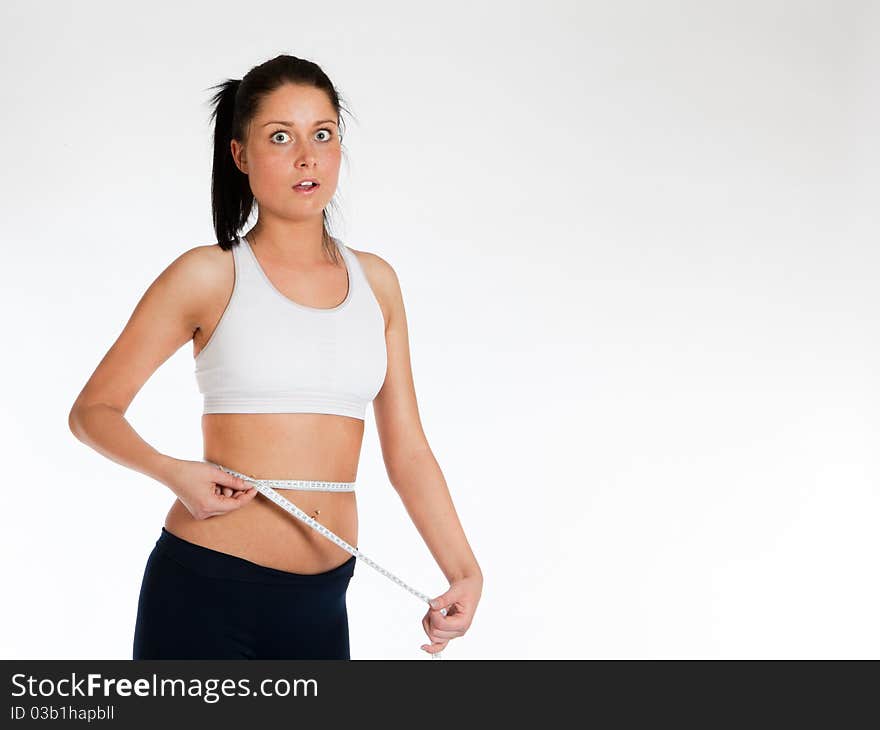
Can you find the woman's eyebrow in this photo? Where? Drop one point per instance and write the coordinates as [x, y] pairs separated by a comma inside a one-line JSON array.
[[291, 124]]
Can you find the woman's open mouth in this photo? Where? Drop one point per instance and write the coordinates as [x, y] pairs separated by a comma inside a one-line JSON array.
[[306, 189]]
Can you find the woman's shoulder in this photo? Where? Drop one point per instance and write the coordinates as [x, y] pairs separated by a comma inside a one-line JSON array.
[[382, 278], [204, 262], [200, 273], [377, 269]]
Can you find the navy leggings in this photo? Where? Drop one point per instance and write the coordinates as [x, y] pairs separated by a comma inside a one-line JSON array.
[[199, 603]]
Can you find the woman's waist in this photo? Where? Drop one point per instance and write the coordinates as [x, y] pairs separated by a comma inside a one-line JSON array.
[[264, 533], [311, 485], [325, 454]]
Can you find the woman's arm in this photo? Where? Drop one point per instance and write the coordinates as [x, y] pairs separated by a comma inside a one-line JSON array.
[[107, 431], [423, 490], [409, 461], [164, 319], [416, 476]]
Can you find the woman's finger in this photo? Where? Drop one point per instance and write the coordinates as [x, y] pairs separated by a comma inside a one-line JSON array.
[[451, 625], [238, 499], [451, 622], [229, 485], [230, 480], [241, 496], [434, 648], [435, 635]]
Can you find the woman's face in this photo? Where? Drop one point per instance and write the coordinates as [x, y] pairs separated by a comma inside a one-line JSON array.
[[293, 136]]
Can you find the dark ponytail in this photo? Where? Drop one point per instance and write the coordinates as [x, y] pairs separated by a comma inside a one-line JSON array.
[[235, 105], [231, 196]]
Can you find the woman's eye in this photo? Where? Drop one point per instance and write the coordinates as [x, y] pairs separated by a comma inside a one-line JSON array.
[[329, 133], [275, 134]]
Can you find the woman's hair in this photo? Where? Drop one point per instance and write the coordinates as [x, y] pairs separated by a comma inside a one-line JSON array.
[[235, 105]]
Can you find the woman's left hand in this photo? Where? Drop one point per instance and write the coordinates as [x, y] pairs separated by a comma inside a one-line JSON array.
[[460, 602]]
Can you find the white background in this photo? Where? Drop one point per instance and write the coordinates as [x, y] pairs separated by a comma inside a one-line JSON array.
[[638, 248]]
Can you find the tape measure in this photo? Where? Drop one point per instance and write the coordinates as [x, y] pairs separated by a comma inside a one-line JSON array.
[[265, 487]]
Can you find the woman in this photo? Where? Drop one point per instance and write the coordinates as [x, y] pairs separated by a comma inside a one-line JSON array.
[[293, 334]]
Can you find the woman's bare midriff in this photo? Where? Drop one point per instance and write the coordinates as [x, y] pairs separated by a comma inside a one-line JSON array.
[[280, 446]]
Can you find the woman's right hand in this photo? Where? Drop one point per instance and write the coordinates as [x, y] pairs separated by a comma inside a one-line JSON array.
[[205, 489]]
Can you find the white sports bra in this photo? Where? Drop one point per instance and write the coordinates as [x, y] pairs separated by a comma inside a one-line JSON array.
[[269, 354]]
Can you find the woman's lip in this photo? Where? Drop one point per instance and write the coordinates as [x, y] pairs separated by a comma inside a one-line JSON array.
[[308, 190]]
